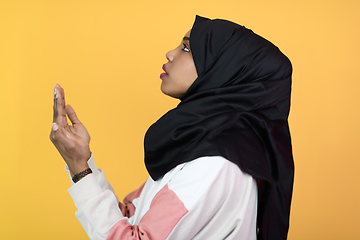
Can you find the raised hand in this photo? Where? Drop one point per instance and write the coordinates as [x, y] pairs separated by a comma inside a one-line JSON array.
[[72, 141]]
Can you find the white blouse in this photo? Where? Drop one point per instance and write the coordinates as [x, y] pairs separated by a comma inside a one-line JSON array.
[[207, 198]]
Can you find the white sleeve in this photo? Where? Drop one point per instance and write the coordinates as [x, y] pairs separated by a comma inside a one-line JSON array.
[[98, 208], [97, 204], [98, 173]]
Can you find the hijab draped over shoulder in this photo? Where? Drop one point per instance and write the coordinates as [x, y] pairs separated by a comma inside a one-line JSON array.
[[236, 108]]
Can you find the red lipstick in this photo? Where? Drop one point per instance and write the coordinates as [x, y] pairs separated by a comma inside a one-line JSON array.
[[165, 73]]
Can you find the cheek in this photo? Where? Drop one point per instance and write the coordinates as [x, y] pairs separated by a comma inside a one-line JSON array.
[[190, 73]]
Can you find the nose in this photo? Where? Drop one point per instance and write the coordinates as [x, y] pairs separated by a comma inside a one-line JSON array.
[[170, 55]]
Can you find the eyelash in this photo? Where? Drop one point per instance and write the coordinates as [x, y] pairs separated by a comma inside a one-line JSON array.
[[185, 49]]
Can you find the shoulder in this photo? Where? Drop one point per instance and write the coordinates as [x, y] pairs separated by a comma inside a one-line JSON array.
[[206, 169], [214, 175]]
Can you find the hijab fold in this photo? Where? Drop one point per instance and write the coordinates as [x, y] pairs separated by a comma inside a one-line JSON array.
[[236, 108]]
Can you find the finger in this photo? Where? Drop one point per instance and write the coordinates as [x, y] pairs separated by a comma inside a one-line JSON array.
[[72, 115], [62, 137], [55, 127], [60, 111], [54, 105]]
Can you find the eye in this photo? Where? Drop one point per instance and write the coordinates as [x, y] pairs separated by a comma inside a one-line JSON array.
[[186, 49]]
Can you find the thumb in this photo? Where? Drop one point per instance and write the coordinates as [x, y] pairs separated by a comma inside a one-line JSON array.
[[72, 115]]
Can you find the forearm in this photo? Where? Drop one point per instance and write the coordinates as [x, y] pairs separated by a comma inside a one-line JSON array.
[[98, 208], [98, 173]]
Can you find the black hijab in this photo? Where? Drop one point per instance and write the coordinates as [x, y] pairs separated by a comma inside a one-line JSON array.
[[236, 108]]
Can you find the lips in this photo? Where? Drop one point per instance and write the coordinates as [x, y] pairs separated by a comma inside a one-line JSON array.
[[165, 73]]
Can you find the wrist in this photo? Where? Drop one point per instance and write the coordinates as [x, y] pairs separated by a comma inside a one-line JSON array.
[[78, 168], [81, 175]]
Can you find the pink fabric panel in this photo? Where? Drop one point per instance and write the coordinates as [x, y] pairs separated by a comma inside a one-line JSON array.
[[125, 231], [165, 212], [128, 209]]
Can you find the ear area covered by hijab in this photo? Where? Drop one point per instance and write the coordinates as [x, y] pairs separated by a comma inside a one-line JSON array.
[[226, 54], [236, 108]]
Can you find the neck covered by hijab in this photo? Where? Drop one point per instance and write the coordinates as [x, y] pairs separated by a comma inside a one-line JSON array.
[[237, 108]]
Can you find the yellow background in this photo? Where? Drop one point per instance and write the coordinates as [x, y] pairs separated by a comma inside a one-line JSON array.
[[108, 57]]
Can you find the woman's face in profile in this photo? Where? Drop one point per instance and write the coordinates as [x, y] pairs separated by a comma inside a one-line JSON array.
[[180, 70]]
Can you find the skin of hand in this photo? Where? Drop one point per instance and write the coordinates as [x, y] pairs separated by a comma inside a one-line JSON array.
[[72, 141]]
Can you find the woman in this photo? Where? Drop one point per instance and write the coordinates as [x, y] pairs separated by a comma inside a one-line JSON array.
[[220, 163]]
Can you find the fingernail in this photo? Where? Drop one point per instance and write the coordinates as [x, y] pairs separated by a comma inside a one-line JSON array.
[[55, 127], [55, 93]]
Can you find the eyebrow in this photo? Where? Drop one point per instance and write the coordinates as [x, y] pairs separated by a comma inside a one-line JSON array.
[[186, 39]]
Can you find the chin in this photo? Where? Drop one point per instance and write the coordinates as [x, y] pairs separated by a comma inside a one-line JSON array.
[[170, 93]]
